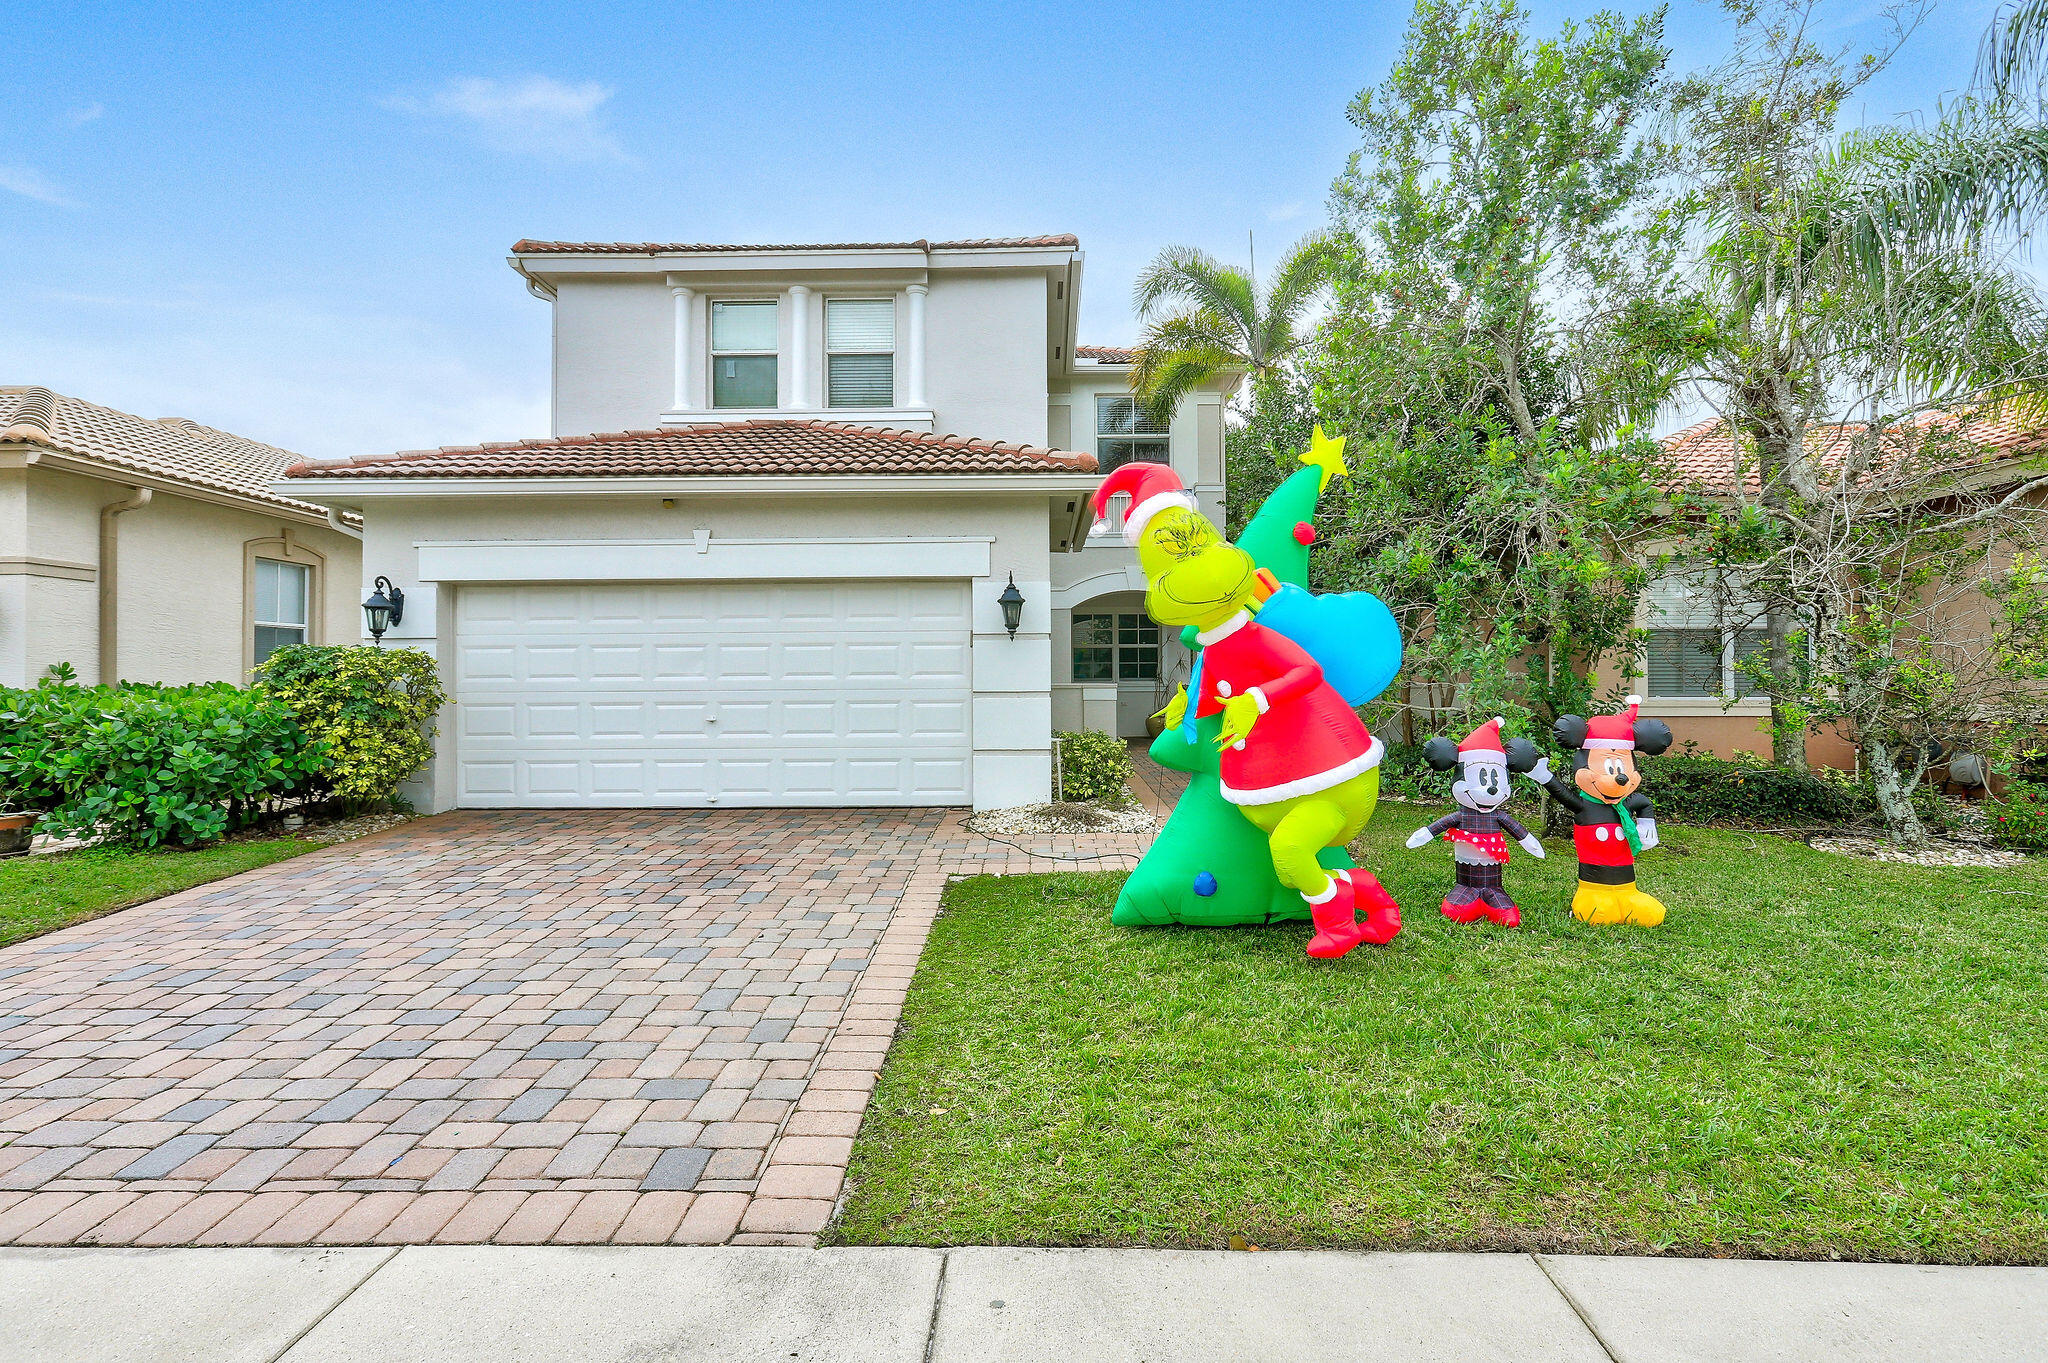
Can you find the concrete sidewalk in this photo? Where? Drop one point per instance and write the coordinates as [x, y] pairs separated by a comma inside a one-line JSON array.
[[505, 1304]]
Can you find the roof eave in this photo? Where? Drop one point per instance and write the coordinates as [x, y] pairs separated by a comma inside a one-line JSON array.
[[348, 491]]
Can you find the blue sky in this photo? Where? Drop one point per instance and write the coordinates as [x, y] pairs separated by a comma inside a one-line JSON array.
[[291, 222]]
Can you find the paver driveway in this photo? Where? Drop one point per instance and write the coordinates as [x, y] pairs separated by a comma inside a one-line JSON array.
[[576, 1026]]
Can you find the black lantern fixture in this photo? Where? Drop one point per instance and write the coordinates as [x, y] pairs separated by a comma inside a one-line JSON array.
[[1012, 602], [385, 608]]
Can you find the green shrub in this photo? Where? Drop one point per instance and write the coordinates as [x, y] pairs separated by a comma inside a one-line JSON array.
[[373, 708], [2019, 818], [1714, 790], [1091, 767], [149, 765], [1405, 776]]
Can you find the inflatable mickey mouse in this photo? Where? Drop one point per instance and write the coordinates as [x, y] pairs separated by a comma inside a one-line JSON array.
[[1612, 820]]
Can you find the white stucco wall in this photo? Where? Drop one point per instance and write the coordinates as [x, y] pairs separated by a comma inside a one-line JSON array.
[[985, 355], [181, 584], [985, 349], [612, 347], [1011, 719]]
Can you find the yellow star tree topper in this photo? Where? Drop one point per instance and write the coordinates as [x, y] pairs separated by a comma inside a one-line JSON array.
[[1327, 455]]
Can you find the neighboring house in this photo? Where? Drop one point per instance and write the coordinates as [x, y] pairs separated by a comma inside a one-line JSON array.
[[760, 559], [155, 550], [1695, 636]]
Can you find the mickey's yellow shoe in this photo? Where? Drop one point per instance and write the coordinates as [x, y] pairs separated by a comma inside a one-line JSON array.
[[1608, 904]]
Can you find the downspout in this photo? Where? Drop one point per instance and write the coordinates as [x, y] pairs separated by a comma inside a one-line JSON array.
[[334, 519], [110, 602]]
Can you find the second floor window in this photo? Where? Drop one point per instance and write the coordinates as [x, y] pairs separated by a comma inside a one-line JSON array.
[[743, 344], [860, 352], [1123, 433]]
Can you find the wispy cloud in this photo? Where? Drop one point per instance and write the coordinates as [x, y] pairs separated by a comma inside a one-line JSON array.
[[1286, 212], [31, 183], [83, 114], [534, 116]]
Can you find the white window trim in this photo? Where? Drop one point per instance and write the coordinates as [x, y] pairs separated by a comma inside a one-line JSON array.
[[282, 548], [894, 352]]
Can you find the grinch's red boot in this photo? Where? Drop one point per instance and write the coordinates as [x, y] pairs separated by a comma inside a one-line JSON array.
[[1382, 914], [1336, 919]]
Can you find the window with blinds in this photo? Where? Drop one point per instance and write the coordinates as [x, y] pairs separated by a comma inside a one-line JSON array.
[[283, 593], [1697, 639], [743, 355], [1125, 433], [860, 352]]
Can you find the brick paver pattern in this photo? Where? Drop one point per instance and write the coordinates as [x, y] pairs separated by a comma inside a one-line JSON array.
[[633, 1026]]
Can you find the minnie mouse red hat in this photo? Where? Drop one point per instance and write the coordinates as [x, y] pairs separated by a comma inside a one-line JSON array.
[[1483, 744]]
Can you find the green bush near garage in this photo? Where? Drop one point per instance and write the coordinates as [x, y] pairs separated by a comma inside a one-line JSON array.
[[1090, 767], [373, 711]]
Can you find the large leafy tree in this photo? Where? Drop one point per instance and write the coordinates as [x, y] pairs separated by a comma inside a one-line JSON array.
[[1830, 317], [1482, 350], [1202, 317]]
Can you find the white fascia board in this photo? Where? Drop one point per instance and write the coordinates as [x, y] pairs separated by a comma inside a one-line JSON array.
[[354, 491], [719, 262], [712, 560]]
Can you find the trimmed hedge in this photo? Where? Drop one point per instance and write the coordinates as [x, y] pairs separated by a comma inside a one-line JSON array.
[[149, 766], [1091, 767], [373, 709]]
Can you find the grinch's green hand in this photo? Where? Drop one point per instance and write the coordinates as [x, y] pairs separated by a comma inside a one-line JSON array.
[[1239, 714], [1175, 710]]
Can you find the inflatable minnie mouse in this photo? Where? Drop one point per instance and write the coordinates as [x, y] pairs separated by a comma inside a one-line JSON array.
[[1478, 831]]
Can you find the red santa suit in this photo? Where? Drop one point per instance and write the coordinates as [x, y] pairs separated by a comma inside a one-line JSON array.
[[1307, 738]]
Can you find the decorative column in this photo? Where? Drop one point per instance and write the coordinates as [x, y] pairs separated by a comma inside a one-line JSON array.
[[913, 358], [683, 296], [800, 346]]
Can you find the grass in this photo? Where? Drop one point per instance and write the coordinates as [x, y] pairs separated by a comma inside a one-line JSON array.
[[1815, 1057], [42, 894]]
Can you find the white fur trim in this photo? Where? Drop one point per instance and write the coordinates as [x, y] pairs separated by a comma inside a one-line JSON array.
[[1608, 743], [1309, 785], [1329, 891], [1135, 518], [1225, 630], [1482, 755], [1258, 693]]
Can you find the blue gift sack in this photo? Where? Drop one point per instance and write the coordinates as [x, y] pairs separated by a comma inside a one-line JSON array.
[[1351, 634]]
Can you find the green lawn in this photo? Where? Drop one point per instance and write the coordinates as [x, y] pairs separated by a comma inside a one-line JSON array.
[[39, 894], [1815, 1056]]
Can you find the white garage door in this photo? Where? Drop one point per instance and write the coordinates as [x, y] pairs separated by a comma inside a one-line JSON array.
[[727, 694]]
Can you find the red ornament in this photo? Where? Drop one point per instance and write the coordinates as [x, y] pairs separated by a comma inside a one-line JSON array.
[[1304, 533]]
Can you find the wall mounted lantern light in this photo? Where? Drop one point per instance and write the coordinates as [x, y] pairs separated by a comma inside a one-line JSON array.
[[1012, 602], [385, 608]]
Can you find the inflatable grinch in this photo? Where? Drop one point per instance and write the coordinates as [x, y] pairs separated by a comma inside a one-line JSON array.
[[1285, 771]]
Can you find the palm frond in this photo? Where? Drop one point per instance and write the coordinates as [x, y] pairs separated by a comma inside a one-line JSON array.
[[1169, 376], [1974, 174], [1182, 274], [2014, 46]]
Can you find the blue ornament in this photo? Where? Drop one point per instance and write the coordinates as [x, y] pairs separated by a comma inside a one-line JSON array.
[[1205, 884]]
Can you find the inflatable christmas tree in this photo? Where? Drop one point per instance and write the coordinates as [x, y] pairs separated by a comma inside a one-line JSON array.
[[1210, 866]]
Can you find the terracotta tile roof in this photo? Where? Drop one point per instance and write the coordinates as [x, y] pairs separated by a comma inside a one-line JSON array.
[[1106, 354], [1707, 455], [527, 247], [165, 447], [760, 448]]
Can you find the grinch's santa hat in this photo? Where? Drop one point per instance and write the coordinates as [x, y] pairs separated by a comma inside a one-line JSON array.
[[1152, 488], [1613, 731], [1483, 744]]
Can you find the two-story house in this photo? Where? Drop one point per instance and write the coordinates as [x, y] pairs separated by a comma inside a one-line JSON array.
[[764, 554]]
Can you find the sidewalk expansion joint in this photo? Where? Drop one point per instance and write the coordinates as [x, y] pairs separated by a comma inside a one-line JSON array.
[[1586, 1320], [314, 1324]]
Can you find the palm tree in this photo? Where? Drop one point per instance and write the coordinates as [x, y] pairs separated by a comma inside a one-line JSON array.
[[1202, 316]]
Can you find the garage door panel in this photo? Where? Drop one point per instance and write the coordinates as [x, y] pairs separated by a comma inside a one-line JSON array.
[[710, 694]]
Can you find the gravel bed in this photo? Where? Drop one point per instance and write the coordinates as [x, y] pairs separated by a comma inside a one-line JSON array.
[[1065, 818], [1938, 853]]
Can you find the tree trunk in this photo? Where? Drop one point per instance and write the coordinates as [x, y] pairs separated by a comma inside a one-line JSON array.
[[1895, 794], [1788, 723]]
